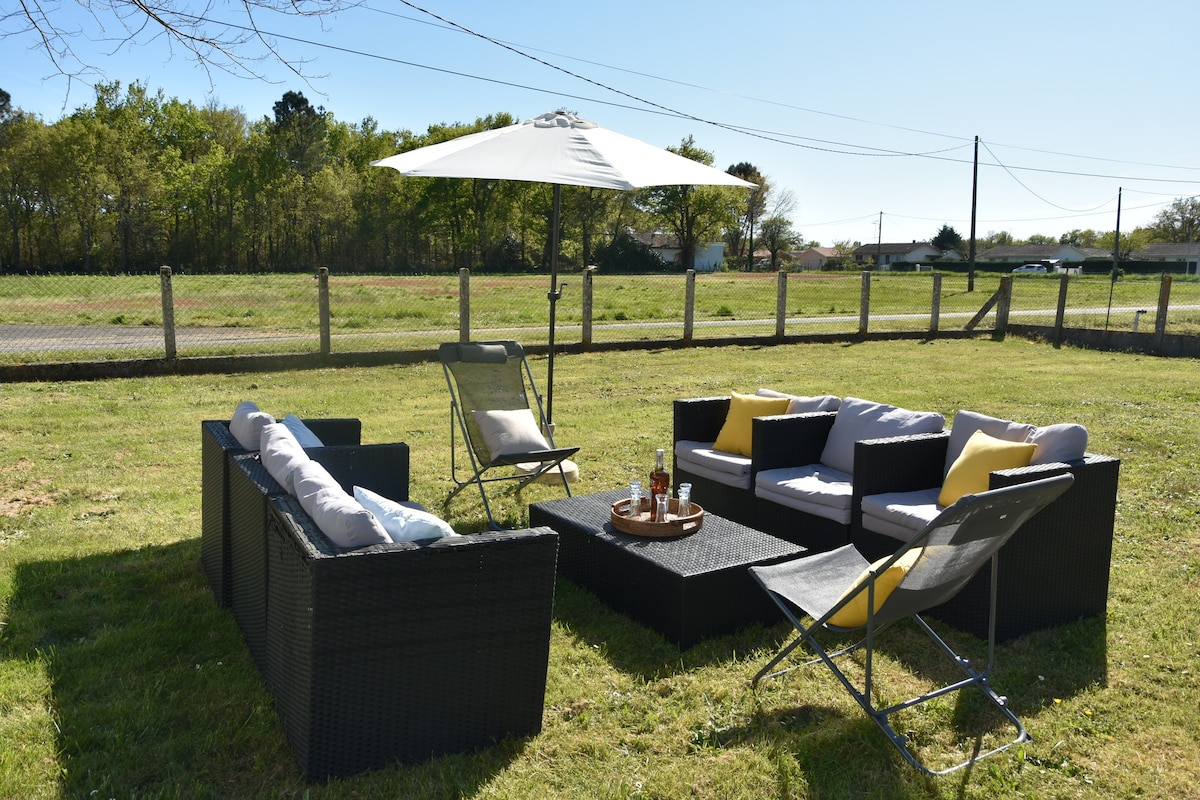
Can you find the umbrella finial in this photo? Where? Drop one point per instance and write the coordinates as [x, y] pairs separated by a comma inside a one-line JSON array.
[[561, 119]]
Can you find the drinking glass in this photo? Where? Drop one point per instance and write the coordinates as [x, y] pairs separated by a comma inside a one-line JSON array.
[[685, 500], [635, 499], [662, 504]]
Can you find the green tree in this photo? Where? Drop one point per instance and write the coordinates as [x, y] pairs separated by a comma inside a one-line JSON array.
[[1178, 223], [747, 210], [948, 239], [1079, 238], [694, 214], [778, 236]]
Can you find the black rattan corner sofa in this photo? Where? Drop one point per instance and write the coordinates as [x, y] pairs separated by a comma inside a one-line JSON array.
[[386, 654], [1054, 570]]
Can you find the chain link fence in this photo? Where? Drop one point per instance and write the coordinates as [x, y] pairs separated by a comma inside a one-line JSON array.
[[56, 319]]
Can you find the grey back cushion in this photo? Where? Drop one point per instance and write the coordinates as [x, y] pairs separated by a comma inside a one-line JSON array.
[[967, 422], [861, 419]]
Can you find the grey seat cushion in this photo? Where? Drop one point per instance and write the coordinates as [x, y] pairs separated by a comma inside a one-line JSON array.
[[814, 489], [699, 458], [901, 515]]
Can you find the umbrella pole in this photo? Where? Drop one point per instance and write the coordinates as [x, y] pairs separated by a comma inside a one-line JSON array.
[[553, 296]]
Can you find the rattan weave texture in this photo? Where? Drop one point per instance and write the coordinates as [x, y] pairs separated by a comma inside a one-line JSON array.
[[402, 652], [217, 446], [686, 588]]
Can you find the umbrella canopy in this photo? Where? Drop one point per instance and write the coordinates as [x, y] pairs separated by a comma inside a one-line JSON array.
[[562, 149], [558, 148]]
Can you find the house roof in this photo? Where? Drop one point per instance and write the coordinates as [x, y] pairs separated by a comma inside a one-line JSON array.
[[1168, 252], [1041, 252], [891, 248], [827, 252]]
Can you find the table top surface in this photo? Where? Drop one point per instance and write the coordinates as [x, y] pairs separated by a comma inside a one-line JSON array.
[[719, 544]]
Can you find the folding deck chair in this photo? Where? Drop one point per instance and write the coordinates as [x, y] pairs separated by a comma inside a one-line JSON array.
[[490, 390], [841, 592]]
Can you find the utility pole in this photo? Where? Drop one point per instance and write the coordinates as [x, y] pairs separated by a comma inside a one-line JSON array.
[[974, 201], [879, 243]]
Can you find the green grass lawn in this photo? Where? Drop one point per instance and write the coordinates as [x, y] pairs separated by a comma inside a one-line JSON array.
[[120, 677]]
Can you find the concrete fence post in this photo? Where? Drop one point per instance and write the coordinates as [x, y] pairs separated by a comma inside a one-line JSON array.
[[935, 303], [464, 305], [864, 302], [588, 275], [781, 305], [1164, 302], [689, 306], [323, 309], [1003, 305], [1060, 313], [168, 312]]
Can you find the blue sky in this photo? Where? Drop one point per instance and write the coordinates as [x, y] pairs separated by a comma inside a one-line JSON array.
[[857, 109]]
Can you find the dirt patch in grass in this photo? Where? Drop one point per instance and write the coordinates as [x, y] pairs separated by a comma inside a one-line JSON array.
[[15, 500]]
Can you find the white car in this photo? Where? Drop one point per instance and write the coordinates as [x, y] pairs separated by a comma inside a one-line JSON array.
[[1028, 268]]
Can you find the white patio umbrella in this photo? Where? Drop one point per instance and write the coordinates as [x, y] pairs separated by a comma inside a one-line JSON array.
[[558, 148]]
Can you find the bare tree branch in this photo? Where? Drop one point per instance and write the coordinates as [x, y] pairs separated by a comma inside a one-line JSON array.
[[233, 38]]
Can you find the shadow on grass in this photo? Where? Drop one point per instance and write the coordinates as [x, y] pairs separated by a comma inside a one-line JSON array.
[[154, 693], [638, 650], [1032, 671]]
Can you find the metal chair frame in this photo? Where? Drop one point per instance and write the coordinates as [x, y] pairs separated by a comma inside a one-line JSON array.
[[1018, 502], [481, 461]]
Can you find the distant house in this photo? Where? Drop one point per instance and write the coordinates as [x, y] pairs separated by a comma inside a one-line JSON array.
[[885, 254], [813, 258], [1066, 253], [1184, 253], [709, 256]]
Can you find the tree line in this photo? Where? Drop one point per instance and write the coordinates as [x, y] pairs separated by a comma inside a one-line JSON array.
[[137, 180]]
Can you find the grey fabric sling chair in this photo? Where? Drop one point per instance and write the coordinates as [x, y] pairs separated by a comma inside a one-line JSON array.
[[506, 437], [841, 592]]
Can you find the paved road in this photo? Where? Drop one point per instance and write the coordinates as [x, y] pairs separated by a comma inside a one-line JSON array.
[[56, 338]]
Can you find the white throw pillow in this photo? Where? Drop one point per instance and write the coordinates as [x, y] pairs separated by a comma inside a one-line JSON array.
[[510, 432], [402, 523], [302, 432], [247, 423], [967, 422], [861, 419], [1065, 441], [281, 454]]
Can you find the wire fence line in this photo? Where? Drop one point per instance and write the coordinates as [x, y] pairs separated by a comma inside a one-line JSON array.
[[55, 319]]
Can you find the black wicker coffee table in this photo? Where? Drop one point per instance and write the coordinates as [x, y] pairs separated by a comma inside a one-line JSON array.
[[686, 588]]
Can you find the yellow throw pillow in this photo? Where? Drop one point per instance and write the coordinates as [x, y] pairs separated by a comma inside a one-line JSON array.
[[981, 456], [737, 432], [854, 613]]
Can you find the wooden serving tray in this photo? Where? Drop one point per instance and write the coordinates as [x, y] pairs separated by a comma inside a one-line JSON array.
[[644, 525]]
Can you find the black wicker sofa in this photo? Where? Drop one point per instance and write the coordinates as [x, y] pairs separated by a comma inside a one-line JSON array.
[[389, 653], [1053, 571]]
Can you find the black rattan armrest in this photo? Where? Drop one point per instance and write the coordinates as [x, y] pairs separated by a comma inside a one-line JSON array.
[[699, 419], [789, 440]]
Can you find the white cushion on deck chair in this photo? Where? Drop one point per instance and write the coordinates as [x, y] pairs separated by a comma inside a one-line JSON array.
[[510, 432]]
